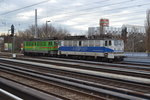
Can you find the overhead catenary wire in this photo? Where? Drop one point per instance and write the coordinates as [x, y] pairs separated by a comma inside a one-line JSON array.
[[104, 10], [85, 13], [61, 9], [84, 9], [38, 4], [44, 2], [91, 8], [24, 7], [116, 14], [78, 6], [47, 0]]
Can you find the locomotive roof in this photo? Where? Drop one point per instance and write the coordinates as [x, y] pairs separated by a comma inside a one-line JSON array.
[[74, 39], [90, 39], [39, 40], [48, 39]]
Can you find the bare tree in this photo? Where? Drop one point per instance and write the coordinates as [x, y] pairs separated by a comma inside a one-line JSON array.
[[44, 32], [135, 42], [124, 34], [47, 32], [147, 26], [28, 34]]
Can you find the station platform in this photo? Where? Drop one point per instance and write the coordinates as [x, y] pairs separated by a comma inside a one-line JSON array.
[[137, 57], [142, 59]]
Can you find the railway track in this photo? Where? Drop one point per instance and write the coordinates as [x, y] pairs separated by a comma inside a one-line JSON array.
[[75, 93], [136, 63], [101, 86], [109, 75], [66, 93], [119, 64], [90, 86], [145, 63], [61, 92], [96, 67], [22, 92]]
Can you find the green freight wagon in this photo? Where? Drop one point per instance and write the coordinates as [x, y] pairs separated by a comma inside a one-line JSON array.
[[47, 47]]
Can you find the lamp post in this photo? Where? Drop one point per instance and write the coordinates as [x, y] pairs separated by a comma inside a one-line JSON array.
[[46, 26]]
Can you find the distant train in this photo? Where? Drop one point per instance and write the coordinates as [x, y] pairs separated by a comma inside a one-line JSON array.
[[99, 49]]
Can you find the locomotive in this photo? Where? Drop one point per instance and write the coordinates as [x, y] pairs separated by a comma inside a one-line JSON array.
[[40, 47], [99, 49]]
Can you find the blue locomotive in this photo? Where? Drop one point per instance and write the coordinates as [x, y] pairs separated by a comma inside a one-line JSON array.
[[105, 50]]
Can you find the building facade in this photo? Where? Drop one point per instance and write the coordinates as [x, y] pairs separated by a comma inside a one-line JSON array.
[[116, 30], [106, 30]]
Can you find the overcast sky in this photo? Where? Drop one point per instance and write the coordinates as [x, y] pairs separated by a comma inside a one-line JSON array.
[[74, 15]]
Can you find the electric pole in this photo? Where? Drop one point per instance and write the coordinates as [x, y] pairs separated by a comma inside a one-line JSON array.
[[35, 35]]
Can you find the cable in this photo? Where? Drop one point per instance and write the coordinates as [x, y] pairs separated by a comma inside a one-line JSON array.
[[103, 10], [35, 5], [87, 4], [24, 7], [111, 9], [101, 6], [104, 15], [88, 13], [91, 8]]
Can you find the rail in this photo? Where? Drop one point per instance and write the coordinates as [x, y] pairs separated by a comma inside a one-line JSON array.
[[26, 93], [8, 96]]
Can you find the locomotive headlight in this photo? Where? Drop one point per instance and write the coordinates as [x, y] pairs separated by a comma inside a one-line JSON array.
[[105, 54]]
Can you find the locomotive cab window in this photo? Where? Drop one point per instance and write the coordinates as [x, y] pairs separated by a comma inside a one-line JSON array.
[[80, 43], [38, 43], [105, 43], [55, 43], [109, 42], [49, 43], [34, 43], [43, 43]]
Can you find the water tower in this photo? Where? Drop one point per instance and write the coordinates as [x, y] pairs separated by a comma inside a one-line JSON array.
[[104, 22]]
